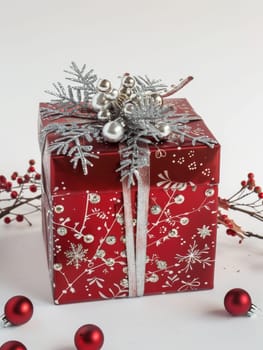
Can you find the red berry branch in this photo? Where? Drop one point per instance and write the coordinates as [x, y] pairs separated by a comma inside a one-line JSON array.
[[247, 200], [20, 196]]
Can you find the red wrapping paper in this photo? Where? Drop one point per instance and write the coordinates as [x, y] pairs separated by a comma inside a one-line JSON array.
[[83, 219]]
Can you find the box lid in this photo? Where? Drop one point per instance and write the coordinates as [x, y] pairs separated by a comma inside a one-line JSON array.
[[171, 161]]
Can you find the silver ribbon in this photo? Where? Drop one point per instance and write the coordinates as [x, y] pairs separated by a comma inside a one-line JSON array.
[[136, 253], [129, 238]]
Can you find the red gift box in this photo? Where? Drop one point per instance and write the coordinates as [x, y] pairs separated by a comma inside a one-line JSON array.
[[90, 253]]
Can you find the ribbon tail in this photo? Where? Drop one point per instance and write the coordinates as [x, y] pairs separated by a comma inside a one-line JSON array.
[[143, 179], [129, 238]]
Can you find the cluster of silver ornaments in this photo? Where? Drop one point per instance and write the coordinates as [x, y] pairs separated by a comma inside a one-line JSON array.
[[115, 106]]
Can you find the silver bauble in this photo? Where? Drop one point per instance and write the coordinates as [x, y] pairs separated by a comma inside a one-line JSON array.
[[104, 114], [158, 101], [99, 101], [128, 81], [113, 94], [128, 108], [164, 130], [113, 131], [104, 85]]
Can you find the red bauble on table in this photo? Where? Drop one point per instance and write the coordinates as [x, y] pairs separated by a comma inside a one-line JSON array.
[[238, 302], [89, 337], [18, 310], [13, 345]]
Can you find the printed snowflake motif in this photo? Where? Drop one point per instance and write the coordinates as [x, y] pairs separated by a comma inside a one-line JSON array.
[[76, 255], [193, 256], [204, 231]]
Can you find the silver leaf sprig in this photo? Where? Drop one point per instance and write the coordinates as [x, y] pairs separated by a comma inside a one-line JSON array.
[[178, 128]]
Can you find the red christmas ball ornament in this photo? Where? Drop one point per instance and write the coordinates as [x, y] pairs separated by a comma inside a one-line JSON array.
[[238, 302], [18, 310], [89, 337], [13, 345]]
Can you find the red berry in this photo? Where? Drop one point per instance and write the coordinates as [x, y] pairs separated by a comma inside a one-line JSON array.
[[231, 232], [33, 188], [37, 176], [243, 183], [19, 218], [260, 195], [7, 220], [32, 162], [31, 169], [250, 175], [8, 185], [19, 180], [14, 175], [13, 194], [2, 179], [251, 185], [227, 221], [257, 189], [26, 178]]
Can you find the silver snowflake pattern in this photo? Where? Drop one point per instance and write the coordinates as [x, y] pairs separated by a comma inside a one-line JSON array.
[[76, 255], [204, 231], [193, 256]]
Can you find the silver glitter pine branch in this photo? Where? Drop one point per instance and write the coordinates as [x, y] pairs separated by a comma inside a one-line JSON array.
[[70, 142], [133, 156], [68, 100], [142, 129], [144, 85]]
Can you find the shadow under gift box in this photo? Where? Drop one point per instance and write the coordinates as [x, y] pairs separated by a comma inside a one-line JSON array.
[[84, 223]]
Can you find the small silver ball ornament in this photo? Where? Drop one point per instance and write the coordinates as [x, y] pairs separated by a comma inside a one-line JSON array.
[[164, 130], [113, 131], [104, 85], [128, 108], [158, 101], [104, 114], [99, 101], [113, 93], [128, 81]]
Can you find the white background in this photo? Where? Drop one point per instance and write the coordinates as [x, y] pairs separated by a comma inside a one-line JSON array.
[[220, 44]]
